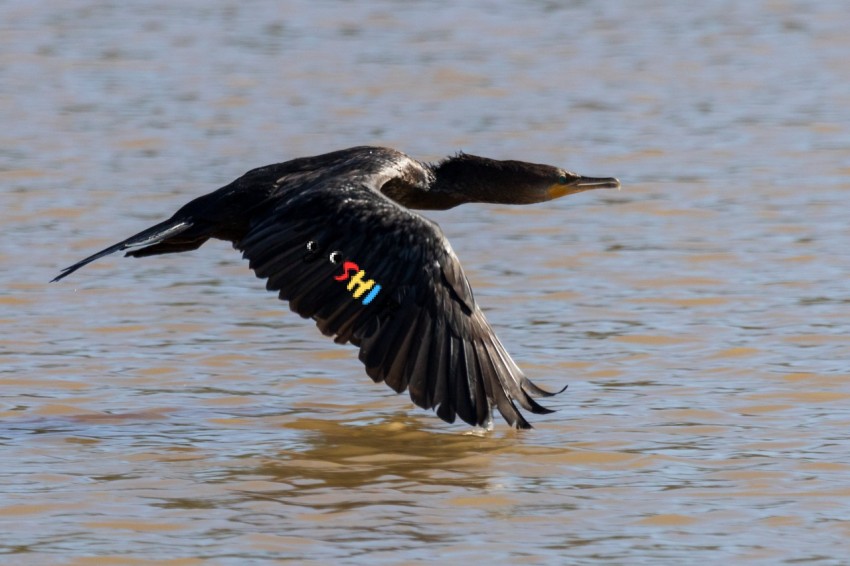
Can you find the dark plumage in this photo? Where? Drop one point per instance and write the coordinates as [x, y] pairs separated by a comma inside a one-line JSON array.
[[332, 234]]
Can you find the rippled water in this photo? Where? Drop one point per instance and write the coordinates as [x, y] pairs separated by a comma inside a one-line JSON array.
[[168, 409]]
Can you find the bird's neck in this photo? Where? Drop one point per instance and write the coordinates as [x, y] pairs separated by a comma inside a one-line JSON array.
[[432, 196], [464, 178], [449, 183]]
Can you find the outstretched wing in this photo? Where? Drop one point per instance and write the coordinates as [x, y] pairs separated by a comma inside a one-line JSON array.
[[374, 274]]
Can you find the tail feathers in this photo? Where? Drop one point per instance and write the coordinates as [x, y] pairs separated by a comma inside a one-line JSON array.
[[167, 248], [153, 238]]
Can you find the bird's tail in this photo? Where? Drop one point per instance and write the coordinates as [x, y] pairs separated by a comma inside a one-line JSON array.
[[160, 239]]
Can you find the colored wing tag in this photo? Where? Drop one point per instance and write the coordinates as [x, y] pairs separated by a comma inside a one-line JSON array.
[[357, 284]]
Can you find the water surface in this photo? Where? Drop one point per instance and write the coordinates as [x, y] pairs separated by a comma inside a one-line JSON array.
[[169, 410]]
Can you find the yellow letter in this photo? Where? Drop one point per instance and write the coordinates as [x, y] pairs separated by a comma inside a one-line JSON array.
[[362, 286]]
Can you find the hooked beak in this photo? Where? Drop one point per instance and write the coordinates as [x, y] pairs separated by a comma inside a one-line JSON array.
[[587, 183], [580, 184]]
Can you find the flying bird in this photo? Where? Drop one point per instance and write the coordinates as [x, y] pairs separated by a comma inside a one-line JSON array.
[[335, 236]]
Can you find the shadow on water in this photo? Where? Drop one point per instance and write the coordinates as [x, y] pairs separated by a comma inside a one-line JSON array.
[[398, 451], [348, 482]]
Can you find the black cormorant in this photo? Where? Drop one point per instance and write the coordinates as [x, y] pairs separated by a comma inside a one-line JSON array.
[[335, 237]]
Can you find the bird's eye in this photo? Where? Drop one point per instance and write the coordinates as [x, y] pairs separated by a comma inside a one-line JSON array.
[[312, 247], [335, 257], [562, 179]]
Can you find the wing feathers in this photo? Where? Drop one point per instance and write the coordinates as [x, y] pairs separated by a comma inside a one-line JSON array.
[[464, 377], [368, 271], [419, 329], [419, 368]]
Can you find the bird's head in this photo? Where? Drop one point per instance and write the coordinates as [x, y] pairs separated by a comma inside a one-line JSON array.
[[479, 179]]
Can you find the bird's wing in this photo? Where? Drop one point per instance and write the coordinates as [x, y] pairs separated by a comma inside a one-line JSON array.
[[374, 274]]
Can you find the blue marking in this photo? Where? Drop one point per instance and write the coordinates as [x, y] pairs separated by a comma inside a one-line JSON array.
[[372, 294]]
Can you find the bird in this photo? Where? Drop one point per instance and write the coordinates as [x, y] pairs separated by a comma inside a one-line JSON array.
[[337, 236]]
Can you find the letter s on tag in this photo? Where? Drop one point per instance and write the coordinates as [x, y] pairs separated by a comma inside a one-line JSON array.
[[348, 268]]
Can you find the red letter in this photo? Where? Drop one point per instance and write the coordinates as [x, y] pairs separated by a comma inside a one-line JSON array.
[[347, 268]]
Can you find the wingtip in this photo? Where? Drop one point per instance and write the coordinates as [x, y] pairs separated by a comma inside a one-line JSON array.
[[536, 391]]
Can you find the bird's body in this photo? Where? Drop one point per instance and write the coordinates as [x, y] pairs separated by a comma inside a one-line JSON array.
[[333, 235]]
